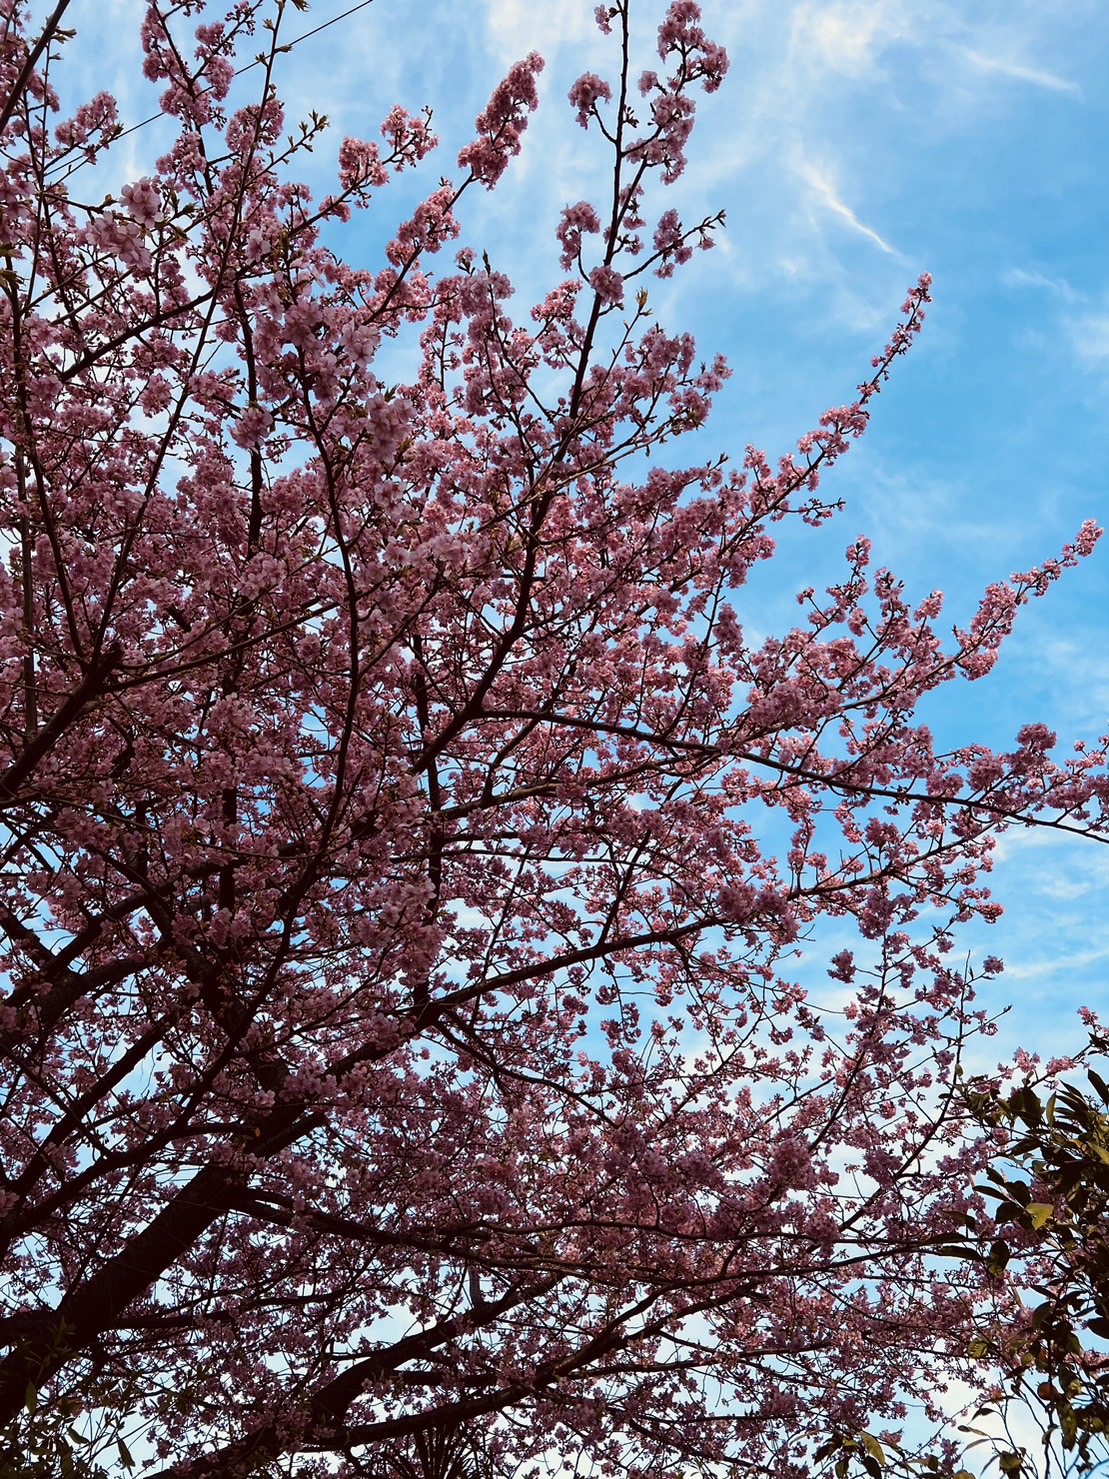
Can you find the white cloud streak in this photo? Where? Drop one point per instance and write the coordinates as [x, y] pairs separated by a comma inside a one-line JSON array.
[[822, 187], [1021, 73]]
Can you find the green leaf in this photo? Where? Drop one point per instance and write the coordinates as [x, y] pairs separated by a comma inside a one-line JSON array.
[[1000, 1254], [874, 1448], [125, 1454], [31, 1400], [1028, 1107], [1006, 1211], [1040, 1213], [1068, 1425]]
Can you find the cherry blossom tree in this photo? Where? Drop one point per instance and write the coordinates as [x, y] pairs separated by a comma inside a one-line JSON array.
[[403, 1065]]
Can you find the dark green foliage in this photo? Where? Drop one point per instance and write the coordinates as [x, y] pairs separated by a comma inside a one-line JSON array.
[[1050, 1200]]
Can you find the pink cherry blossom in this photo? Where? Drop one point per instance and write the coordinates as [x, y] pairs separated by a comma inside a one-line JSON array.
[[576, 221], [586, 93], [607, 283], [143, 203], [501, 125], [252, 426], [408, 848]]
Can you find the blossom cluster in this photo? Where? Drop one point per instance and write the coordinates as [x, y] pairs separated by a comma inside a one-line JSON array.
[[501, 124]]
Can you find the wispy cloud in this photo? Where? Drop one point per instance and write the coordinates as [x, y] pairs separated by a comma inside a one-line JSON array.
[[847, 35], [1060, 965], [823, 188], [1089, 337], [1018, 277], [516, 27], [1021, 73]]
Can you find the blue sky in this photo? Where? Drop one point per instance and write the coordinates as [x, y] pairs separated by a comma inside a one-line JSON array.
[[855, 144]]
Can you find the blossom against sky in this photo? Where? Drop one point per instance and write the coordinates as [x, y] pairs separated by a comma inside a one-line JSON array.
[[854, 144]]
